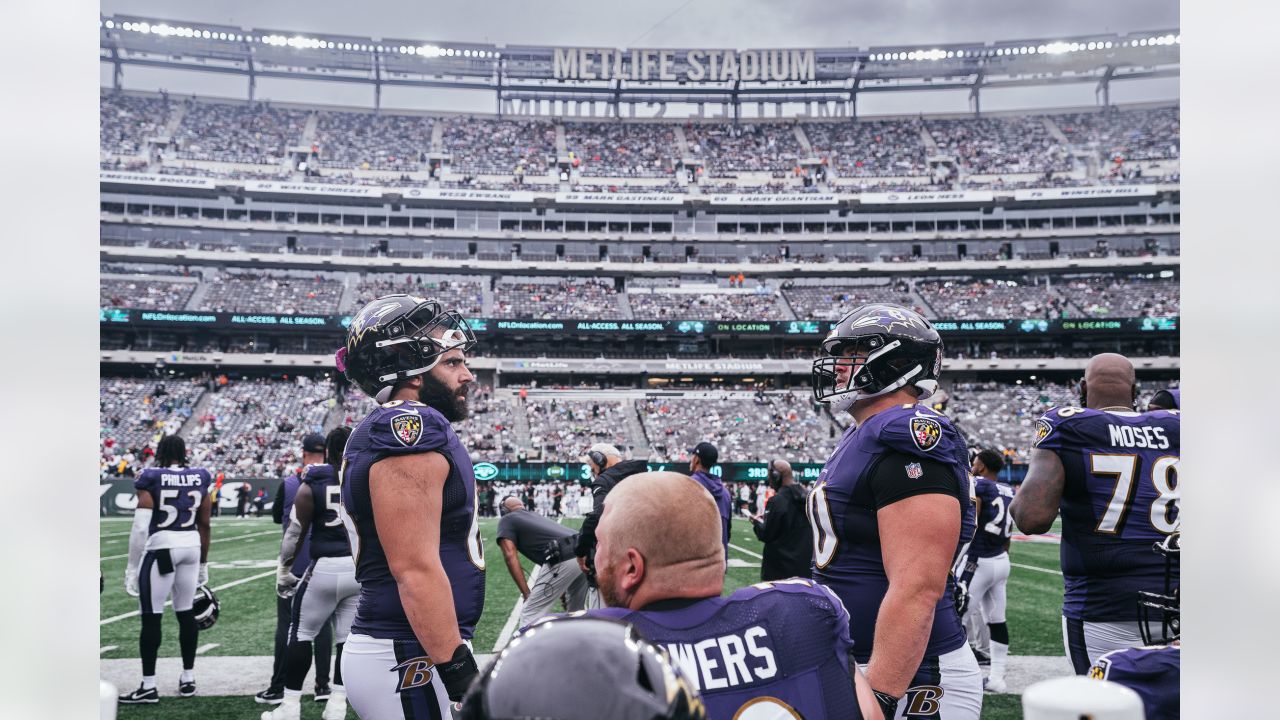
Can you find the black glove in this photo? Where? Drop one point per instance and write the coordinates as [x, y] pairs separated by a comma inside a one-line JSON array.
[[458, 673], [888, 704]]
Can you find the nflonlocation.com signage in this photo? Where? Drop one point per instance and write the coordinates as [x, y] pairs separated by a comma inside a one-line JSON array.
[[1024, 326]]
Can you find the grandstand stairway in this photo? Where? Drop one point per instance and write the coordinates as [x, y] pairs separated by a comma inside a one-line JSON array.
[[348, 300], [486, 306], [437, 137], [197, 411], [803, 139], [919, 300], [624, 306], [931, 147], [682, 143], [785, 305], [309, 130], [197, 298], [521, 430], [1055, 131], [635, 429]]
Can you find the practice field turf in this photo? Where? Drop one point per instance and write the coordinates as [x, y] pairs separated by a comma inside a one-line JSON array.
[[242, 567]]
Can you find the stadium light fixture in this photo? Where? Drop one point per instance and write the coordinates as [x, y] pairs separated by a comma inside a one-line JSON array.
[[110, 24], [1178, 39]]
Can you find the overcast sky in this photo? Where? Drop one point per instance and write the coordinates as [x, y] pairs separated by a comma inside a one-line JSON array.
[[670, 23]]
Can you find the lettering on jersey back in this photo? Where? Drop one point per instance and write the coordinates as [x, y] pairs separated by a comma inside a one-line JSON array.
[[727, 661], [179, 480], [1138, 437]]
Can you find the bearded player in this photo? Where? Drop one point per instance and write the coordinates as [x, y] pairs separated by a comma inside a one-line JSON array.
[[409, 506], [891, 510]]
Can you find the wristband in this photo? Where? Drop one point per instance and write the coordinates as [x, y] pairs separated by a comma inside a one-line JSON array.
[[458, 673], [888, 704]]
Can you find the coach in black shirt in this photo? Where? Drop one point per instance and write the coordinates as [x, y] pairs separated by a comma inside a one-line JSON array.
[[784, 527]]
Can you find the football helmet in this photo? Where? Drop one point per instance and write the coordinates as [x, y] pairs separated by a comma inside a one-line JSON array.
[[1164, 606], [884, 348], [205, 607], [396, 337], [615, 674]]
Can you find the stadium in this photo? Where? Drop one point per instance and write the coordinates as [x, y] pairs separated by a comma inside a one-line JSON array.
[[649, 245]]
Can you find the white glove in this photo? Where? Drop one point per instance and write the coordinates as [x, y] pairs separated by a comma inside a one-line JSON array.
[[286, 583], [203, 577], [131, 581]]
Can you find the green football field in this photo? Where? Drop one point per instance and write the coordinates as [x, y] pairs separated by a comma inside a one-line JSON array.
[[241, 567]]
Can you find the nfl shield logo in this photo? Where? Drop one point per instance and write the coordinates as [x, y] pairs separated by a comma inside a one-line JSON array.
[[914, 471], [407, 428]]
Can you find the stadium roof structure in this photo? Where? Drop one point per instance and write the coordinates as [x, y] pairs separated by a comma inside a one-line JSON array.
[[637, 75]]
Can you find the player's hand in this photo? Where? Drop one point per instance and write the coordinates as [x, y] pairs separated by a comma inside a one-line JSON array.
[[202, 578], [131, 582], [960, 596], [286, 583]]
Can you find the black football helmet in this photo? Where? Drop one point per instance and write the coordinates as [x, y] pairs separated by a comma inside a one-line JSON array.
[[582, 668], [397, 337], [205, 607], [1165, 606], [885, 347]]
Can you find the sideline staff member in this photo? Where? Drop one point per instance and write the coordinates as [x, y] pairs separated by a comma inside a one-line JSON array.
[[784, 527], [549, 544]]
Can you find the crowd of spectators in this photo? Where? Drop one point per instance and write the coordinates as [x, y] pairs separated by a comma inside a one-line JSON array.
[[617, 149], [144, 294], [986, 145], [557, 298], [988, 299], [561, 430], [1119, 296], [499, 147], [126, 121], [810, 302], [783, 425], [372, 141], [278, 293], [254, 427], [465, 296], [255, 133], [1152, 134], [134, 413], [727, 148], [1002, 416], [654, 304], [870, 148]]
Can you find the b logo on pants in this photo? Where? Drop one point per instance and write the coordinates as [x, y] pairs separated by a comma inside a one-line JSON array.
[[414, 672], [924, 700]]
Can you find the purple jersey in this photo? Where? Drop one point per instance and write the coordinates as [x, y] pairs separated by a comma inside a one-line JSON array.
[[327, 537], [1120, 496], [401, 428], [843, 516], [784, 642], [1152, 672], [718, 492], [994, 522], [302, 555], [176, 493]]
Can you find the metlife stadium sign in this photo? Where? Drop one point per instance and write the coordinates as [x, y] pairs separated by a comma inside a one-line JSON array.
[[683, 65]]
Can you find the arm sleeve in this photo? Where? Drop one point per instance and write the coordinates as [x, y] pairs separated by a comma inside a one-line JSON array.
[[892, 480], [408, 429], [138, 537]]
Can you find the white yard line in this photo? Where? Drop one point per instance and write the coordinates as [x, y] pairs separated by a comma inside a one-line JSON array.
[[206, 648], [223, 539], [241, 581], [510, 628], [107, 648], [746, 551], [1037, 569]]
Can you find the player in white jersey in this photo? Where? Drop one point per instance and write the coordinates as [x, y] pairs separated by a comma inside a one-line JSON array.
[[168, 554]]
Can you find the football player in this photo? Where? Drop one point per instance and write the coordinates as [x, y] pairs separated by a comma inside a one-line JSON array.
[[409, 507], [611, 672], [702, 458], [987, 565], [1154, 670], [168, 554], [891, 510], [775, 649], [1167, 399], [1113, 472], [328, 587]]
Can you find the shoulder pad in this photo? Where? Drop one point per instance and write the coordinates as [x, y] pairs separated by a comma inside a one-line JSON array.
[[408, 427], [914, 429]]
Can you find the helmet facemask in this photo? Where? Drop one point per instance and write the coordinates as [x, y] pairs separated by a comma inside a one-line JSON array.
[[1165, 607]]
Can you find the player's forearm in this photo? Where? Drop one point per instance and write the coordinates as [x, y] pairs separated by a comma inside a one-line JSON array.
[[902, 633], [204, 542], [138, 536], [428, 602], [517, 573], [289, 544], [1032, 518]]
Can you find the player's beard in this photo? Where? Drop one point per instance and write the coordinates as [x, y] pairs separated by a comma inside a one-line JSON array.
[[605, 580], [452, 404]]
